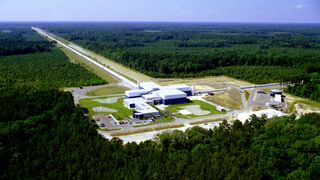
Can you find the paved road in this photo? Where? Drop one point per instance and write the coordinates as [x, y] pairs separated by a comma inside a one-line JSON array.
[[124, 80], [132, 85], [152, 134], [250, 101], [261, 86], [81, 93]]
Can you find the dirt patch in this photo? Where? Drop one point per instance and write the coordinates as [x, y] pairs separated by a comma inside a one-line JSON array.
[[202, 88], [302, 109], [234, 94], [224, 100], [218, 85], [214, 80]]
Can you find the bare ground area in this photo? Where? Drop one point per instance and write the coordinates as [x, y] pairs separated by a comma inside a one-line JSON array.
[[225, 100], [234, 94], [216, 82], [81, 93], [300, 106], [127, 72], [213, 81]]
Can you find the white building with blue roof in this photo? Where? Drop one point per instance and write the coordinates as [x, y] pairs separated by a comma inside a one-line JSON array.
[[154, 94]]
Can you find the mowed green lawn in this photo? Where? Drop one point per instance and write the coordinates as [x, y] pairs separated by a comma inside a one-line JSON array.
[[109, 90], [123, 112], [203, 106]]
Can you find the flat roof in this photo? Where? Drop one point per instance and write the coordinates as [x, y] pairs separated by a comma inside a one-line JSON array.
[[276, 90], [141, 106], [136, 92], [169, 93], [176, 86], [134, 100], [149, 85], [151, 96], [145, 108]]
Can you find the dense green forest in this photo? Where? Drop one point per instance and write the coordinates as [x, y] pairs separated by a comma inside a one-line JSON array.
[[188, 50], [43, 135], [59, 143], [308, 87], [27, 59], [51, 67], [14, 41], [253, 52]]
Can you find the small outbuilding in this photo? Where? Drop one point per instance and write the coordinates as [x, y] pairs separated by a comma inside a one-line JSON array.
[[273, 92]]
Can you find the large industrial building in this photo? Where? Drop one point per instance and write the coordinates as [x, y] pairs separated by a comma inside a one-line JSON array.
[[142, 110], [150, 93]]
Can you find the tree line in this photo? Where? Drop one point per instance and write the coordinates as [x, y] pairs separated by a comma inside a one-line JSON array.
[[43, 135], [21, 41], [191, 50], [45, 69]]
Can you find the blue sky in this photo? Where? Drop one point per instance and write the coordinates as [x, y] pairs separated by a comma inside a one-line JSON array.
[[287, 11]]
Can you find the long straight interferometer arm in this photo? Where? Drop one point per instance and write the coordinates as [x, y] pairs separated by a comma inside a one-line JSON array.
[[113, 73]]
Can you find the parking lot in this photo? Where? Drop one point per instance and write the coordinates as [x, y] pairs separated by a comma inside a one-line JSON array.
[[106, 121]]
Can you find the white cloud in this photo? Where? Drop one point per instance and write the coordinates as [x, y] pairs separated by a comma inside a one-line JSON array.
[[299, 6]]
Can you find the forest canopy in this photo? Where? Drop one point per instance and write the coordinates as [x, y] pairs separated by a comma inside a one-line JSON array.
[[259, 53], [43, 135], [190, 50]]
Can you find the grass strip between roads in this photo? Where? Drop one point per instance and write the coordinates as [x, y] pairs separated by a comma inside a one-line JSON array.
[[206, 121], [147, 130], [109, 90]]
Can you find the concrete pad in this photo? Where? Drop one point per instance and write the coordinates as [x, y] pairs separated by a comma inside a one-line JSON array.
[[110, 100], [104, 109], [196, 110], [184, 112], [268, 112]]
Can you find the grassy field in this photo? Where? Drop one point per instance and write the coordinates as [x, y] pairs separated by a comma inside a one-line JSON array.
[[224, 100], [122, 113], [247, 94], [206, 121], [147, 130], [109, 90], [74, 58], [234, 94], [133, 74], [165, 116], [173, 109], [165, 119]]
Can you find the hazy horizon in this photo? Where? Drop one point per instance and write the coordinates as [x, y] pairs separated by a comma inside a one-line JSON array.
[[188, 11]]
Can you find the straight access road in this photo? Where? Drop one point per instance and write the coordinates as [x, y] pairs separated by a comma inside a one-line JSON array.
[[124, 81]]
